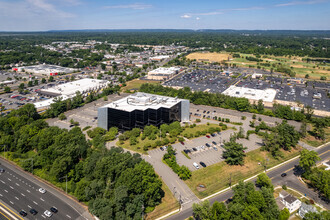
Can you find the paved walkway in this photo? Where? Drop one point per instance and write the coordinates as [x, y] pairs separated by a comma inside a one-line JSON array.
[[306, 146]]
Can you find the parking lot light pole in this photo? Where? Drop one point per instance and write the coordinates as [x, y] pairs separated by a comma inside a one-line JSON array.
[[66, 183]]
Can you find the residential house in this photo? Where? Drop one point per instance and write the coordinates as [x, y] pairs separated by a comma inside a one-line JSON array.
[[289, 201], [304, 208]]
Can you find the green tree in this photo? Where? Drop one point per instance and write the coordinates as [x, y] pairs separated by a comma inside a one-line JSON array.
[[308, 159], [234, 153], [43, 80], [7, 89], [51, 79], [284, 214], [264, 181], [62, 116]]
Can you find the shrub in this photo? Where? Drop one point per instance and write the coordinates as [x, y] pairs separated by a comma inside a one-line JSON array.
[[284, 187], [208, 123], [62, 117], [198, 120], [243, 117], [227, 120], [86, 128], [219, 119], [259, 119], [254, 116], [181, 139]]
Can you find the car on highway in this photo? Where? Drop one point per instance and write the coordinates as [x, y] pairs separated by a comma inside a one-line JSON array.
[[48, 214], [42, 190], [53, 209], [283, 175], [2, 170], [33, 212], [23, 213], [202, 164]]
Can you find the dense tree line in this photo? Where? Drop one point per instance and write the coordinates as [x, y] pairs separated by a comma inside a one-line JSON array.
[[116, 185], [301, 43], [247, 203]]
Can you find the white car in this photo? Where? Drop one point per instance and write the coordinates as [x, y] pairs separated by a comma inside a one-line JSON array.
[[48, 214], [42, 190]]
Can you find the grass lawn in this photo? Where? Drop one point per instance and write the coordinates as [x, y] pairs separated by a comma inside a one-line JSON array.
[[216, 177], [136, 84], [309, 139], [169, 204], [139, 146], [278, 190]]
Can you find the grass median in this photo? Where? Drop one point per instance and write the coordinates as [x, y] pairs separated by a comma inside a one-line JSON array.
[[217, 176]]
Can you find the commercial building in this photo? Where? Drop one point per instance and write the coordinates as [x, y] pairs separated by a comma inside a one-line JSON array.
[[68, 90], [45, 69], [267, 95], [141, 109], [162, 73]]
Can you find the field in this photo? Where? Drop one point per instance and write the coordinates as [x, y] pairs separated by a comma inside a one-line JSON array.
[[136, 84], [216, 177], [209, 57], [169, 204], [296, 64]]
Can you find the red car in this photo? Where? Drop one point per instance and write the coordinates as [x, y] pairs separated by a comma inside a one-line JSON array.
[[182, 142], [208, 136]]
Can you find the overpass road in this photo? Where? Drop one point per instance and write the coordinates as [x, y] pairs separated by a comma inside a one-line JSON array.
[[20, 191], [291, 180]]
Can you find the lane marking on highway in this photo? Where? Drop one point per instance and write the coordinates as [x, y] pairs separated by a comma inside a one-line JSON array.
[[3, 182], [29, 206], [19, 217], [0, 194], [9, 179], [11, 202], [16, 198], [11, 187], [17, 184], [5, 216], [68, 216], [22, 194], [35, 203], [28, 191], [42, 199], [6, 191], [43, 216]]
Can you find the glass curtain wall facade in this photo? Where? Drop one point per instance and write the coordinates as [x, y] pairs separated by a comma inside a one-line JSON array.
[[138, 118]]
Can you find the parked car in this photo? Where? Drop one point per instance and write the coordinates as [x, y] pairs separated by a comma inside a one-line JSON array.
[[182, 142], [194, 149], [196, 165], [213, 142], [213, 135], [162, 149], [283, 175], [202, 164], [216, 149], [208, 136], [207, 145]]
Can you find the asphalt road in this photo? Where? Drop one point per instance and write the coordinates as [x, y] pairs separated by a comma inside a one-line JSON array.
[[275, 175], [20, 191]]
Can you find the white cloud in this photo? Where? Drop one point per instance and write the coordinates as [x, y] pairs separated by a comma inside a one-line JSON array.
[[135, 6], [197, 18], [186, 16], [42, 6], [300, 3]]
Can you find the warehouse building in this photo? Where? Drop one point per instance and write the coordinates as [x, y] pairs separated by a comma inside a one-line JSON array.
[[45, 69], [68, 90], [267, 95], [162, 73], [141, 109]]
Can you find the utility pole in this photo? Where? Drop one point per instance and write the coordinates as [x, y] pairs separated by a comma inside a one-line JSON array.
[[230, 181], [66, 183], [4, 150]]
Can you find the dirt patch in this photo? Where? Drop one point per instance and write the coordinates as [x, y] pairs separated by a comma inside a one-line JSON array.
[[209, 57]]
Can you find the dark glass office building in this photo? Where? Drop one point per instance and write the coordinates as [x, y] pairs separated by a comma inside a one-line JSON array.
[[141, 109]]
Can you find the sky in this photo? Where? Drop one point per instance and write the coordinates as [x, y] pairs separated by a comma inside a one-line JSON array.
[[43, 15]]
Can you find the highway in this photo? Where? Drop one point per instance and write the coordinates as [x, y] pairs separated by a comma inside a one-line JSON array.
[[275, 174], [20, 191]]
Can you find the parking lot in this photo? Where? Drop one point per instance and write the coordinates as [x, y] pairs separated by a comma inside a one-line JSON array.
[[86, 115], [313, 94]]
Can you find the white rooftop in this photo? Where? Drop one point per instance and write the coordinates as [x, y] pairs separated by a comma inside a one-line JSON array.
[[143, 101], [267, 95], [82, 85], [47, 102], [164, 70]]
